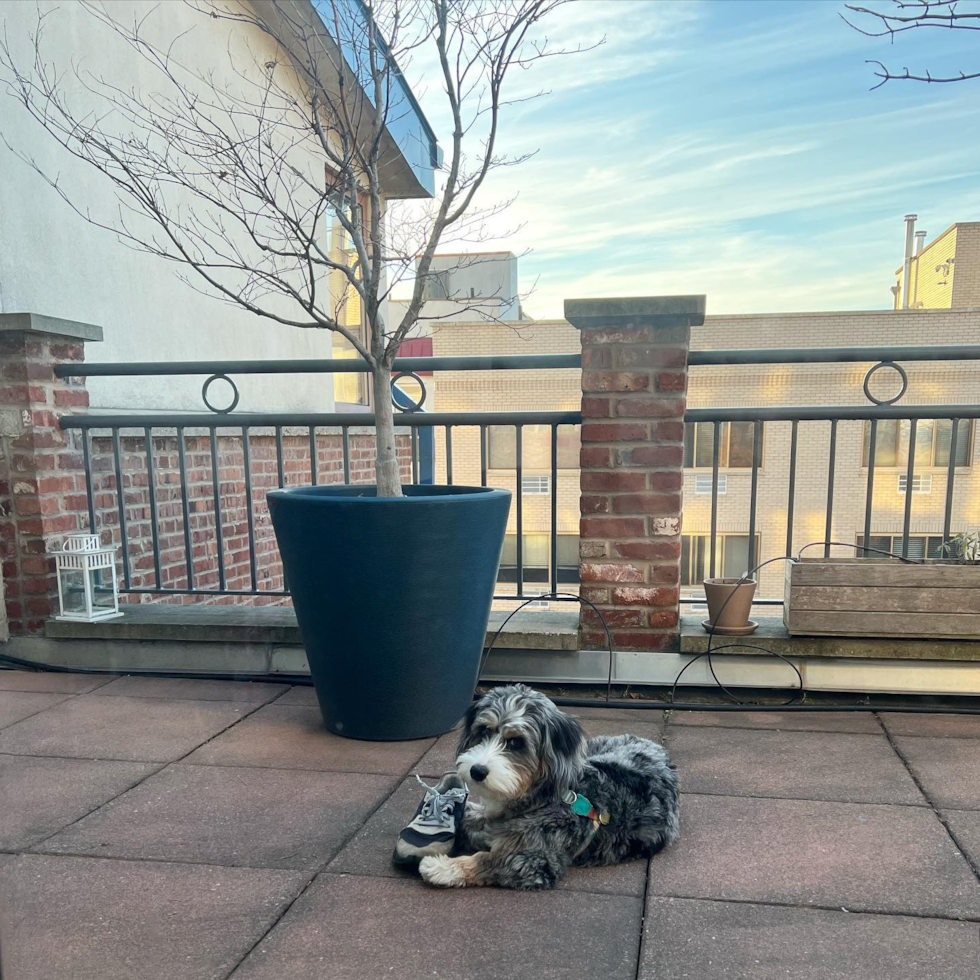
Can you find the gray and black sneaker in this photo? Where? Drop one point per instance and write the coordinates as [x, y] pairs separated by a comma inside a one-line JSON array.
[[433, 829]]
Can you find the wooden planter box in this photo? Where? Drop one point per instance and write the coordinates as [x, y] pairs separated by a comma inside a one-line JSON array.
[[882, 597]]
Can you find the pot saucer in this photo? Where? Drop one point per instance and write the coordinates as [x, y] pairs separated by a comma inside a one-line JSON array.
[[730, 630]]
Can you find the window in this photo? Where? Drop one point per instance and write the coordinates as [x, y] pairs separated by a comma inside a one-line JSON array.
[[535, 447], [702, 484], [933, 438], [537, 558], [735, 444], [920, 545], [536, 485], [731, 556], [920, 483]]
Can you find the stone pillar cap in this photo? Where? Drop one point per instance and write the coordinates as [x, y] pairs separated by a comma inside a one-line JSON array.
[[49, 326], [635, 311]]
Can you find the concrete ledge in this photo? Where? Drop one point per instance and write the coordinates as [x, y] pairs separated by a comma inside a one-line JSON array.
[[772, 635], [52, 326], [276, 626]]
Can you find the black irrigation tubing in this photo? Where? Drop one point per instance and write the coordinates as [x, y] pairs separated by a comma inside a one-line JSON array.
[[792, 705]]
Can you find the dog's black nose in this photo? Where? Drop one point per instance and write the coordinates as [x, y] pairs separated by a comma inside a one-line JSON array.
[[479, 773]]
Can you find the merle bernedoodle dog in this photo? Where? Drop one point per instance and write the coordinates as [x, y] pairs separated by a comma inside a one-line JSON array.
[[549, 798]]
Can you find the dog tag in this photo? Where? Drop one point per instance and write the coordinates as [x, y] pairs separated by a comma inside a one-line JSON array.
[[581, 805]]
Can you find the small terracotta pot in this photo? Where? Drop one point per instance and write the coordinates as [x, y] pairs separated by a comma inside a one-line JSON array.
[[729, 602]]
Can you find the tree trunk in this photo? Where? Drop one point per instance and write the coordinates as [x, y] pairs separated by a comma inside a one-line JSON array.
[[386, 465]]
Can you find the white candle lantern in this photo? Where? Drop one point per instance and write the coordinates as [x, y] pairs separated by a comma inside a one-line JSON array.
[[87, 588]]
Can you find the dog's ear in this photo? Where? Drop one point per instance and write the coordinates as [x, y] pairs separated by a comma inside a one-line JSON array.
[[564, 749], [467, 728]]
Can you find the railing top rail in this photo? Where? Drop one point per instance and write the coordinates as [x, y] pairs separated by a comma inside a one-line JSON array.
[[834, 355], [246, 419], [489, 362], [810, 413], [828, 413], [520, 362]]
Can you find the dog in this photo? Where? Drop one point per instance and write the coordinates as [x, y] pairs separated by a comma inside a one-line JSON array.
[[526, 760]]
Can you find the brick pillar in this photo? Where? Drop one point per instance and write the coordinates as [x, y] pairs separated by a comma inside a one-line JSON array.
[[634, 387], [42, 480]]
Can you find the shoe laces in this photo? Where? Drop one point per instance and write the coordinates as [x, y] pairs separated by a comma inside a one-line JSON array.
[[437, 808]]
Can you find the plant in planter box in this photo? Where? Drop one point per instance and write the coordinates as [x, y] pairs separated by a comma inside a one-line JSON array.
[[964, 547], [281, 175]]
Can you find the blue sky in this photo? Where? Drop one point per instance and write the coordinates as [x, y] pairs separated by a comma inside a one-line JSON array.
[[731, 147]]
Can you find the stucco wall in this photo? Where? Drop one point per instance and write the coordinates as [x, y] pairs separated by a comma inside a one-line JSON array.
[[53, 262]]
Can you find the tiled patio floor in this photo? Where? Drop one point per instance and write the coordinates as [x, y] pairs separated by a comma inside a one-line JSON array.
[[199, 830]]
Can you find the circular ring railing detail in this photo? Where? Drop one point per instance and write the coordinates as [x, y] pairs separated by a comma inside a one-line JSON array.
[[234, 389], [878, 367]]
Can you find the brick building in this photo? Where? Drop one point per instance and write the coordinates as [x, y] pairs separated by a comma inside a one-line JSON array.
[[750, 385]]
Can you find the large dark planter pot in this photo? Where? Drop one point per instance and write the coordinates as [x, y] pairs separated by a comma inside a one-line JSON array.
[[392, 596]]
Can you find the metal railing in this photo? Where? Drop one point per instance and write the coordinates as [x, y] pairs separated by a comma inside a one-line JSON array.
[[106, 439], [182, 461], [816, 417]]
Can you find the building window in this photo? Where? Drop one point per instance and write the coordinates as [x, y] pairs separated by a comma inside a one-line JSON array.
[[535, 485], [535, 447], [933, 438], [537, 558], [736, 441], [731, 556], [920, 546]]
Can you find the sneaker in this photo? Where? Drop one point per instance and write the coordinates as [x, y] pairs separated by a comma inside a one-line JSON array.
[[432, 830]]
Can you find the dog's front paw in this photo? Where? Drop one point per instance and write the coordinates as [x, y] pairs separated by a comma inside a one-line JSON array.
[[442, 871]]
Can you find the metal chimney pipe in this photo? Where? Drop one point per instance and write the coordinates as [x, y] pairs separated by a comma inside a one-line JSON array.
[[920, 240], [910, 220]]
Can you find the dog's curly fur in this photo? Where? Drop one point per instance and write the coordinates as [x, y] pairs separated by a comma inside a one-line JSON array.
[[521, 834]]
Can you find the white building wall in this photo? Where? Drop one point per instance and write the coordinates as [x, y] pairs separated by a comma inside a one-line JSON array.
[[55, 263]]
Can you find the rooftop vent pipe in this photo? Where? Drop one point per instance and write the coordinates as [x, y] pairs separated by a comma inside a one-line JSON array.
[[910, 220]]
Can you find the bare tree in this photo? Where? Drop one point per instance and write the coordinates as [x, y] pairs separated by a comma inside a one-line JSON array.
[[911, 15], [269, 188]]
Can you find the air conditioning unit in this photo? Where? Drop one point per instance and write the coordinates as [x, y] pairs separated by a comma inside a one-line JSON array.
[[920, 484], [702, 483], [535, 485]]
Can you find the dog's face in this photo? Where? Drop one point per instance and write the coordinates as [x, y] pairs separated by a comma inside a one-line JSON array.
[[515, 740]]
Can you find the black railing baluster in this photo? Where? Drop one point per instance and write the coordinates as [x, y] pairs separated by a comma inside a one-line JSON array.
[[713, 540], [754, 499], [519, 497], [216, 490], [483, 455], [449, 455], [280, 463], [791, 493], [831, 467], [554, 508], [152, 493], [415, 455], [249, 516], [909, 475], [345, 445], [870, 492], [89, 496], [185, 507], [950, 479], [121, 495], [313, 466]]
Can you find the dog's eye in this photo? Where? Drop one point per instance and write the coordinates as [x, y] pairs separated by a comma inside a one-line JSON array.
[[515, 744]]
